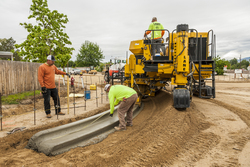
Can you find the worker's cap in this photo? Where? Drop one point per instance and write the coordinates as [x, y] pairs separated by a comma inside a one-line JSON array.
[[50, 57], [106, 87]]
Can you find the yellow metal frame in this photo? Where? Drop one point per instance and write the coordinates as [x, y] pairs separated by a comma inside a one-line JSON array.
[[175, 72]]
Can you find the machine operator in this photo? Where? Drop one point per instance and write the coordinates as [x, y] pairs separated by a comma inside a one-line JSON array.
[[156, 36]]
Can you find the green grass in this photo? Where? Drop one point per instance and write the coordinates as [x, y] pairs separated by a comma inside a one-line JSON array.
[[16, 98]]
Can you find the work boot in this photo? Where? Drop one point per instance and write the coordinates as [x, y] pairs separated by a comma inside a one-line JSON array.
[[117, 128], [49, 116], [60, 113]]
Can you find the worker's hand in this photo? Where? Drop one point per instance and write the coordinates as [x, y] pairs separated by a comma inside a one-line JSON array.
[[124, 99], [44, 90], [111, 115], [68, 75]]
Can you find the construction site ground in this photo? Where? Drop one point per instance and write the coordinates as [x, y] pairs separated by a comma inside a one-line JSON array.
[[212, 132]]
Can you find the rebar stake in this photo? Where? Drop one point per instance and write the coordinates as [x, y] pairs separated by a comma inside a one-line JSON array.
[[101, 94], [85, 97], [1, 111], [74, 100], [34, 104], [96, 96]]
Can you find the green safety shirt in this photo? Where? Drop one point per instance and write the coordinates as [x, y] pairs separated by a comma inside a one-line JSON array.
[[156, 26], [117, 93]]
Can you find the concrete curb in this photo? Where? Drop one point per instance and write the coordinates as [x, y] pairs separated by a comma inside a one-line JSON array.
[[81, 133]]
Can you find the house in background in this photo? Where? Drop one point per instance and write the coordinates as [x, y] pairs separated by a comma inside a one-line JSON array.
[[4, 54]]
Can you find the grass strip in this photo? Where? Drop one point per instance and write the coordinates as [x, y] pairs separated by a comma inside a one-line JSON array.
[[16, 98]]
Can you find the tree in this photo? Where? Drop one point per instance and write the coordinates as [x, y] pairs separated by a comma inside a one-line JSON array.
[[244, 64], [100, 67], [72, 64], [219, 65], [8, 45], [234, 61], [89, 55], [47, 37]]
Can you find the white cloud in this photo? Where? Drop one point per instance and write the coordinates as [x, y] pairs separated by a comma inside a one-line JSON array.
[[113, 24]]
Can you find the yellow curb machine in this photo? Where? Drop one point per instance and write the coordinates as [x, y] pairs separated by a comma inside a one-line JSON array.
[[186, 62]]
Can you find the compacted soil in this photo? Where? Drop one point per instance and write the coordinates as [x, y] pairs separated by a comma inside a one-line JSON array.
[[212, 132]]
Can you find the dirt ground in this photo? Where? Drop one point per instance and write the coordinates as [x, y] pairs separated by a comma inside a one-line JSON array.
[[212, 132]]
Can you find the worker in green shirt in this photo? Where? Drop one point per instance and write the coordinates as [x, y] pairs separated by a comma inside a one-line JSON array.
[[127, 96], [156, 36]]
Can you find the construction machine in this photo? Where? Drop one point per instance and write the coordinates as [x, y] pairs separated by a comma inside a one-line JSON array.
[[114, 70], [185, 61]]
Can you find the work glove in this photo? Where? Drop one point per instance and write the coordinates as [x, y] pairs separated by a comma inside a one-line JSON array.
[[44, 90], [111, 115], [68, 75]]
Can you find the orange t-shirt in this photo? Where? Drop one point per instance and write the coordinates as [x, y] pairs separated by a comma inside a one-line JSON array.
[[46, 75]]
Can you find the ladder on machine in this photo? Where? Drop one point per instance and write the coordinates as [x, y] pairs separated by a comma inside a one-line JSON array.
[[203, 90]]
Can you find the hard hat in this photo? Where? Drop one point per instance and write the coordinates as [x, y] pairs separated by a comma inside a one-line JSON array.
[[106, 87]]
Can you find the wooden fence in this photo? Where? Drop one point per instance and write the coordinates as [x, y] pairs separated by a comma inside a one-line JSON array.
[[16, 77]]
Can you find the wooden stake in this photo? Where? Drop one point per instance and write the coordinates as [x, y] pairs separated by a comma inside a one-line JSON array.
[[68, 92]]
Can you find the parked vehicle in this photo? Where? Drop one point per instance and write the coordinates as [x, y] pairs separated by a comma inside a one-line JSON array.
[[92, 72], [114, 70], [75, 72], [84, 71]]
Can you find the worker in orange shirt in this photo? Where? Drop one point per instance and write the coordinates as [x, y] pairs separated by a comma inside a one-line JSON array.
[[156, 36], [46, 78]]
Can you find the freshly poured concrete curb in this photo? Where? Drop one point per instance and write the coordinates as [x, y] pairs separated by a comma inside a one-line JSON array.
[[80, 133]]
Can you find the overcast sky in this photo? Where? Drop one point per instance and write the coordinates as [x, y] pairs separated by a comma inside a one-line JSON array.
[[112, 24]]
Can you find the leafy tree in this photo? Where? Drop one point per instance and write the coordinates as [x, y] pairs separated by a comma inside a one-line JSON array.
[[72, 64], [8, 45], [244, 64], [47, 37], [89, 54], [235, 66], [69, 64], [219, 65], [238, 65], [233, 61], [100, 67]]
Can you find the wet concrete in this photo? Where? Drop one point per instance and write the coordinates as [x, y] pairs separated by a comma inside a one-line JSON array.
[[81, 133]]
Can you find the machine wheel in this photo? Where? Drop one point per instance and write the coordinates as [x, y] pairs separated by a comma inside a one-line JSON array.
[[181, 98], [106, 77]]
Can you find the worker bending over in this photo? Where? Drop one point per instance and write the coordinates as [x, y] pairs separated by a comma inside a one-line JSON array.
[[46, 78], [127, 96], [156, 36]]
